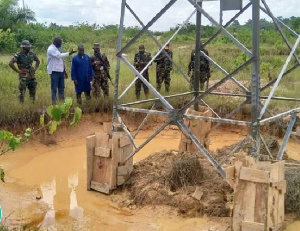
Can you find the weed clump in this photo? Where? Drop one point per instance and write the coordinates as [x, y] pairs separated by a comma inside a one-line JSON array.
[[186, 171]]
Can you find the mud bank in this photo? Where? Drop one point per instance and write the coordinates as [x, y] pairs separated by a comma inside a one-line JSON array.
[[46, 185]]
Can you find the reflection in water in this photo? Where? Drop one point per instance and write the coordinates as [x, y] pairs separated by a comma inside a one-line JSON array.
[[75, 211], [48, 192], [54, 194], [63, 192]]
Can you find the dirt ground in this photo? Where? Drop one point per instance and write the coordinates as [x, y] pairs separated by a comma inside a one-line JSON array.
[[46, 185]]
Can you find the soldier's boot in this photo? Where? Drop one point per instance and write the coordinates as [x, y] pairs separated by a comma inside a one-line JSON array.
[[32, 95], [201, 86], [106, 92], [78, 97], [167, 87], [138, 96], [87, 95], [21, 98], [158, 87], [32, 98], [146, 90], [138, 93], [32, 89]]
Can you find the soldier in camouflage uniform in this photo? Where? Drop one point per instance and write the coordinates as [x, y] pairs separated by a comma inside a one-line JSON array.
[[101, 68], [141, 59], [163, 69], [26, 71], [204, 68]]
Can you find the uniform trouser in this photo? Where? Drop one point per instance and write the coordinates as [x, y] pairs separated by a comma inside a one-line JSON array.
[[29, 83], [87, 96], [139, 84], [163, 76], [57, 85], [202, 79], [100, 82]]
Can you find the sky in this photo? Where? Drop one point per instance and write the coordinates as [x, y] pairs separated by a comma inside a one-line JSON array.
[[107, 12]]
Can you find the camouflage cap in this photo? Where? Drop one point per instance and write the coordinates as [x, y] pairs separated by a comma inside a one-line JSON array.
[[141, 47], [96, 45], [25, 43]]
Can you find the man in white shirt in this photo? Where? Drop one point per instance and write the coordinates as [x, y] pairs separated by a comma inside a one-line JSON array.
[[56, 68]]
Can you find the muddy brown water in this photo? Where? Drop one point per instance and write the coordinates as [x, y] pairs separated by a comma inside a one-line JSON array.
[[57, 175]]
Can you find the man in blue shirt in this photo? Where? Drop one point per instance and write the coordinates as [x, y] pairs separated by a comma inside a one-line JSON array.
[[82, 74]]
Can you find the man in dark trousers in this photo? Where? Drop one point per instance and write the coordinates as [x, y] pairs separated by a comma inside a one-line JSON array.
[[204, 67], [26, 71], [163, 69], [101, 68], [56, 68], [82, 74], [141, 59]]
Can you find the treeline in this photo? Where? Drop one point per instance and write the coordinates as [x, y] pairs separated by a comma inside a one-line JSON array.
[[18, 23]]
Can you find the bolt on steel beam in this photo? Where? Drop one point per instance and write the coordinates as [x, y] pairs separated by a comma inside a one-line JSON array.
[[176, 116]]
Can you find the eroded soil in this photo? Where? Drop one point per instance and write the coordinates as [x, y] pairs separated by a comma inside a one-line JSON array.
[[46, 185]]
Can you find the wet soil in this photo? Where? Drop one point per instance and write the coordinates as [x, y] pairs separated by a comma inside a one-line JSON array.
[[46, 185]]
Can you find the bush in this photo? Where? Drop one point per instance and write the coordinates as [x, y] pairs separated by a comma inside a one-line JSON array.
[[292, 196]]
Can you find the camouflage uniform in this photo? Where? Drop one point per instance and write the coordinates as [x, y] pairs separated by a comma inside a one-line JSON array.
[[163, 69], [204, 68], [101, 71], [140, 61], [27, 78]]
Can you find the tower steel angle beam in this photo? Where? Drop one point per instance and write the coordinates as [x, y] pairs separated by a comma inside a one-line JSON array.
[[218, 167], [231, 114], [228, 23], [281, 23], [255, 80], [154, 91], [280, 30], [148, 140], [177, 116], [144, 29], [227, 33], [279, 78], [286, 136], [143, 122], [284, 74], [196, 71], [118, 65], [176, 32], [240, 85], [158, 43], [216, 85]]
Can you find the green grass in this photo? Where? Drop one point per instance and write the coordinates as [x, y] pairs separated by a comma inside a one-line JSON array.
[[3, 228], [12, 112]]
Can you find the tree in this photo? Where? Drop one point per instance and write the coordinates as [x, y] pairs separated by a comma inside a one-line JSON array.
[[11, 14], [235, 23]]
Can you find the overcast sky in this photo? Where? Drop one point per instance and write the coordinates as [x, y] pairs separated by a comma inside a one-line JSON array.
[[106, 12]]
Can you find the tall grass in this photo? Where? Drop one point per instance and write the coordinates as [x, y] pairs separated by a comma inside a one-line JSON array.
[[228, 55]]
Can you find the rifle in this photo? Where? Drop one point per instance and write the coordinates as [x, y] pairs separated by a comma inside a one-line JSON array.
[[99, 56], [207, 82]]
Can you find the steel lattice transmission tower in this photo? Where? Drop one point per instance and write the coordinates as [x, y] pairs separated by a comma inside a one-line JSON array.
[[250, 90]]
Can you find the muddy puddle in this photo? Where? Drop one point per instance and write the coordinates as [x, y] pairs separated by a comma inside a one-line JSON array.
[[46, 186]]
